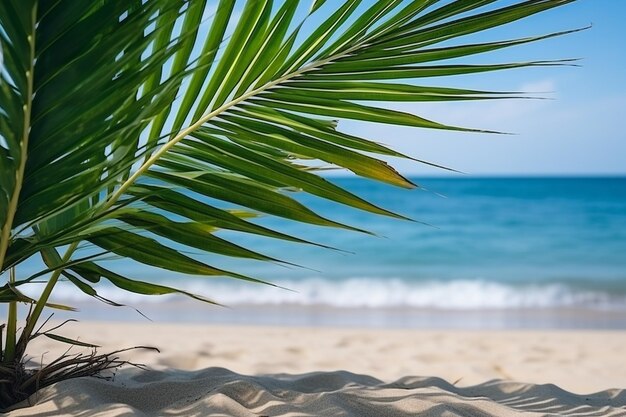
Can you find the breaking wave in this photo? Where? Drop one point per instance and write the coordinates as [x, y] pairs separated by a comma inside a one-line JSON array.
[[386, 293]]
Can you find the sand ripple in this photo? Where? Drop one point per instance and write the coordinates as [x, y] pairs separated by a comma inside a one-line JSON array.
[[220, 392]]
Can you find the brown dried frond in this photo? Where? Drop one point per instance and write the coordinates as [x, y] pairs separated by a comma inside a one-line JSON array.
[[18, 383]]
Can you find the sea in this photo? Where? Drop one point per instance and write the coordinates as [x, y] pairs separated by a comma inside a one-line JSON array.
[[478, 253]]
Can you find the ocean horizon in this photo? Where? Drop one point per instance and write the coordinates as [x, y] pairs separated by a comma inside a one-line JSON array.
[[482, 252]]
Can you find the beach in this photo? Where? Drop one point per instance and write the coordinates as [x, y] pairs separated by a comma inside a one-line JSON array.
[[311, 208], [219, 370], [285, 209], [512, 305]]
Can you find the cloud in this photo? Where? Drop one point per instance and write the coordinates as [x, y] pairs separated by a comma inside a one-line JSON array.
[[547, 86]]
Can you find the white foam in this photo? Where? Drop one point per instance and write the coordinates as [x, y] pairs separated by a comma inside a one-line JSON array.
[[381, 293]]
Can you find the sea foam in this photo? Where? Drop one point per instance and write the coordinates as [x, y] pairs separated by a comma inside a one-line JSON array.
[[383, 293]]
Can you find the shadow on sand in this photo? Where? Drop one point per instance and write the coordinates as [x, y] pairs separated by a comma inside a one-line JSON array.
[[220, 392]]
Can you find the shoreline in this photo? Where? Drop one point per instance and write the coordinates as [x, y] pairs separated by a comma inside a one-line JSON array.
[[183, 311]]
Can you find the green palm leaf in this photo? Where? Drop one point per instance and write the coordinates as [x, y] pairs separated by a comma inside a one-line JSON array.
[[108, 109]]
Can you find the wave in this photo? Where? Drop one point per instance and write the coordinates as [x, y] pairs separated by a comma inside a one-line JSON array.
[[384, 293]]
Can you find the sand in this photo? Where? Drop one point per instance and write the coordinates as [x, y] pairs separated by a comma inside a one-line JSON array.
[[208, 370]]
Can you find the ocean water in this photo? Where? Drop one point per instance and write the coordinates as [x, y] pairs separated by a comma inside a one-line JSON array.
[[494, 246]]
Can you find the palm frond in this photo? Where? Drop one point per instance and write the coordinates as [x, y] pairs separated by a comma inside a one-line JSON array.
[[109, 109]]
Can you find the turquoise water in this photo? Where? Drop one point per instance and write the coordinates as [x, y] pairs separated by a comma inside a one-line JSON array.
[[483, 244]]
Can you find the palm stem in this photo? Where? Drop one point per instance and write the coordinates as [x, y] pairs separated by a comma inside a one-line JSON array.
[[5, 232], [32, 319], [9, 349]]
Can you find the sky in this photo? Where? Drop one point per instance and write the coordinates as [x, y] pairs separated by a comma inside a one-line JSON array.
[[578, 131]]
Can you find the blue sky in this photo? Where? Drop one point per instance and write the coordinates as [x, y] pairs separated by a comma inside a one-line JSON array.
[[579, 131]]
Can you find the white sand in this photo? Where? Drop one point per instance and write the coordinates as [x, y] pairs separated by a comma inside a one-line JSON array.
[[280, 371]]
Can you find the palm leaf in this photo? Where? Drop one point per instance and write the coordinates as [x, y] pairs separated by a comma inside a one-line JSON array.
[[108, 109]]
